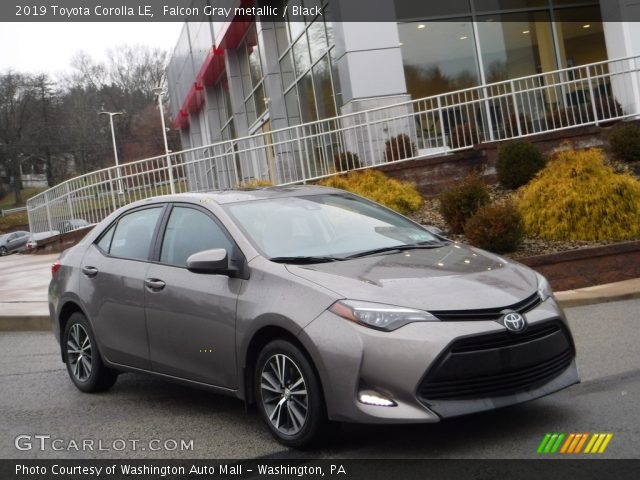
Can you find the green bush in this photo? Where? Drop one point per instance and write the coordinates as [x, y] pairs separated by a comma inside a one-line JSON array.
[[399, 148], [346, 161], [459, 202], [518, 162], [374, 185], [496, 227], [625, 142], [578, 197]]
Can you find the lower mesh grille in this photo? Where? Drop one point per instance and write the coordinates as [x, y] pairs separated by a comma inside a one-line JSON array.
[[499, 364]]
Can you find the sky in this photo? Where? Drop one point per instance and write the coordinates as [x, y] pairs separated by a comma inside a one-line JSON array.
[[49, 47]]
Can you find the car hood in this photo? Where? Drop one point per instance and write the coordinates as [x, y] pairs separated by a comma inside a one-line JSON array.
[[450, 277]]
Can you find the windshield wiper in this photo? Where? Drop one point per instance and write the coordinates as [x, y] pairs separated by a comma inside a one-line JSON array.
[[398, 248], [304, 260]]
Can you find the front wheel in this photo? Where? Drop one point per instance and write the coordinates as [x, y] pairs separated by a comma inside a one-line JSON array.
[[289, 396], [3, 251], [84, 364]]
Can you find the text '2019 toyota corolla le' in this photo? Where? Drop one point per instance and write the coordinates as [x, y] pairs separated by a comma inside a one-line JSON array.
[[313, 303]]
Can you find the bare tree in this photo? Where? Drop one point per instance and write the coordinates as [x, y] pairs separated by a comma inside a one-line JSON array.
[[18, 97]]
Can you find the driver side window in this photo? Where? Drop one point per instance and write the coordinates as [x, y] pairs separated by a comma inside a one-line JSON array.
[[191, 231]]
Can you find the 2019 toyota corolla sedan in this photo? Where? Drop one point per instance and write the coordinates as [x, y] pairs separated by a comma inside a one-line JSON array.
[[315, 304]]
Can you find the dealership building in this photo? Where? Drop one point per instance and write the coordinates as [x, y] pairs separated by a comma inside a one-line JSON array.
[[307, 91]]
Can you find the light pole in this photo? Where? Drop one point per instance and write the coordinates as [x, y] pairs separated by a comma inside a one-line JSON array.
[[115, 150], [160, 92]]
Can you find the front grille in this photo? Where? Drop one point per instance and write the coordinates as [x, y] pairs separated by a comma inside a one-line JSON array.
[[521, 307], [499, 364]]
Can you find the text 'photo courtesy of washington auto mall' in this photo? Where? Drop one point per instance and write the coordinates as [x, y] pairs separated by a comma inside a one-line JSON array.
[[319, 238]]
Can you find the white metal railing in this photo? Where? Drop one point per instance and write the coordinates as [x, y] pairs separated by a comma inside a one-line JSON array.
[[586, 95]]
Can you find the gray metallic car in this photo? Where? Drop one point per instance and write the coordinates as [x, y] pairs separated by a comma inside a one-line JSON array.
[[13, 242], [314, 304]]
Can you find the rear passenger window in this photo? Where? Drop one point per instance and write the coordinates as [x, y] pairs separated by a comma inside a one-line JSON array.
[[191, 231], [105, 241], [133, 234]]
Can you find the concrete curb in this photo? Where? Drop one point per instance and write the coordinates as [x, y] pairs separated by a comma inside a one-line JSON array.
[[25, 323], [585, 301]]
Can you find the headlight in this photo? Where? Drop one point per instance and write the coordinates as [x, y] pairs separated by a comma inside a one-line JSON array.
[[544, 289], [379, 316]]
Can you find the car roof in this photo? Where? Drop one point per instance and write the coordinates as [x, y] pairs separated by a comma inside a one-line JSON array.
[[245, 195]]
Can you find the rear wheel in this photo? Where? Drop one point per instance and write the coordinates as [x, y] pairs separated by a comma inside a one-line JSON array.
[[3, 251], [289, 396], [84, 364]]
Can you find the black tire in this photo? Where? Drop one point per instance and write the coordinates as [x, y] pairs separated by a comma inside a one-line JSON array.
[[84, 364], [3, 251], [315, 425]]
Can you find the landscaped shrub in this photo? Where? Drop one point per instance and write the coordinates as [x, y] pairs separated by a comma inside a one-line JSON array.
[[400, 196], [625, 142], [578, 197], [256, 183], [459, 202], [346, 161], [518, 162], [399, 148], [496, 227]]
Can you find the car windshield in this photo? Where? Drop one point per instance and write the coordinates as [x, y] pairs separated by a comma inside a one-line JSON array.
[[325, 227]]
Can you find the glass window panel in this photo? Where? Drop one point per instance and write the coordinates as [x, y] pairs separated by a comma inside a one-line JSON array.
[[250, 108], [495, 5], [190, 231], [337, 91], [286, 70], [133, 234], [243, 60], [282, 37], [516, 45], [293, 109], [324, 89], [307, 99], [438, 57], [317, 39], [412, 9], [259, 98], [105, 241], [301, 55], [253, 52], [580, 42]]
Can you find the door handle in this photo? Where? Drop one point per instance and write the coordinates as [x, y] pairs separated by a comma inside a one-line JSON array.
[[90, 271], [154, 284]]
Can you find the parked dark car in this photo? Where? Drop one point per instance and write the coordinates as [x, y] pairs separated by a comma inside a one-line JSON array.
[[13, 242], [315, 304]]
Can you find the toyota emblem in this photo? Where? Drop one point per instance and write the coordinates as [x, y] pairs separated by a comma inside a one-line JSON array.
[[514, 322]]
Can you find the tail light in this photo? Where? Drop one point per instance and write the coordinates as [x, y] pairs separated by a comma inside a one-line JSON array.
[[55, 267]]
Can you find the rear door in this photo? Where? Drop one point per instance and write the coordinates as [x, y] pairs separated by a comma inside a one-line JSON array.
[[112, 285], [191, 317]]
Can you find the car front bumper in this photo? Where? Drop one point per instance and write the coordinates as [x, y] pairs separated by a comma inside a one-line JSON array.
[[439, 359]]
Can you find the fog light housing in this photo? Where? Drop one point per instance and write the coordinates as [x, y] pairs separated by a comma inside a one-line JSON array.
[[370, 397]]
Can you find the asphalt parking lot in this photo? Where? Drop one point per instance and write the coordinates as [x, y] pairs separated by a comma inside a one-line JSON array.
[[37, 398]]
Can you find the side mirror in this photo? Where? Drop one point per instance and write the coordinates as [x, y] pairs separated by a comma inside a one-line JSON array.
[[209, 261]]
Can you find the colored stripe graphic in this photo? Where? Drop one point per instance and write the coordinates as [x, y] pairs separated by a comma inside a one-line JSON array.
[[574, 443]]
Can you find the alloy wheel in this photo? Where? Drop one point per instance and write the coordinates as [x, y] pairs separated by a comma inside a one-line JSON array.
[[79, 352], [284, 394]]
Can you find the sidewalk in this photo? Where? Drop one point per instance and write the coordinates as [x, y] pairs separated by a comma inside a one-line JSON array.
[[24, 282]]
